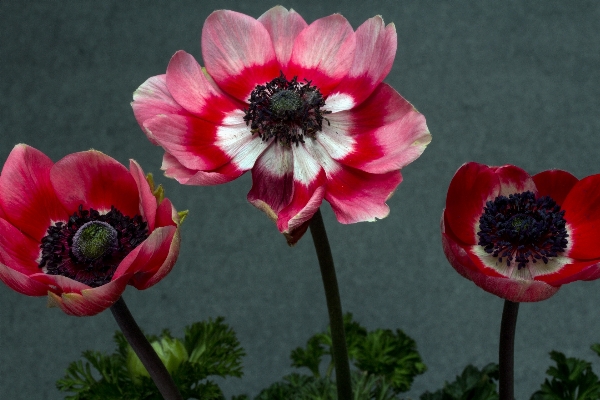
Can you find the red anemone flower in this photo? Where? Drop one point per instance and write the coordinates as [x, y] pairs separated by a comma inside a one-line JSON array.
[[301, 106], [521, 237], [82, 229]]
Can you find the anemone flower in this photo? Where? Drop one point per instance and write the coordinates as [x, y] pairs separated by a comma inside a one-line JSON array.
[[303, 107], [82, 229], [518, 236]]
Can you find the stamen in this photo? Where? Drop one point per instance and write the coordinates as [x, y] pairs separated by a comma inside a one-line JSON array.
[[522, 229], [287, 111]]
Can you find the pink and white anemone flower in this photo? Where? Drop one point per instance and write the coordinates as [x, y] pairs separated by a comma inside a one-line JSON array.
[[82, 229], [301, 106]]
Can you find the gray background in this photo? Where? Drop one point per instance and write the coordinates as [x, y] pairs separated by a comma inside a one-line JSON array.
[[499, 82]]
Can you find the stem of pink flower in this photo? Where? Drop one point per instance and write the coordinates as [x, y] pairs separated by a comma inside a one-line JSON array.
[[334, 306], [155, 367], [507, 350]]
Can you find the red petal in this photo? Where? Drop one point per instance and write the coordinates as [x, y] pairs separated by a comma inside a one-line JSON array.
[[582, 213], [147, 204], [587, 270], [514, 180], [95, 180], [157, 254], [191, 88], [554, 183], [28, 198], [375, 51], [166, 214], [323, 53], [238, 52], [18, 251], [283, 27], [90, 301], [21, 283], [471, 187]]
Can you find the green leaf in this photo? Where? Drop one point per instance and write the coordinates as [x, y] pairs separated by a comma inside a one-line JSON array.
[[472, 384], [572, 379]]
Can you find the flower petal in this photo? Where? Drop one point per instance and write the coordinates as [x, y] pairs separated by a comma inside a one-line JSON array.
[[189, 139], [471, 187], [573, 271], [489, 280], [174, 169], [323, 53], [514, 180], [238, 52], [90, 301], [166, 214], [287, 184], [156, 255], [582, 213], [28, 198], [17, 250], [153, 98], [283, 27], [95, 180], [375, 51], [147, 205], [21, 283], [384, 133], [554, 183], [191, 88]]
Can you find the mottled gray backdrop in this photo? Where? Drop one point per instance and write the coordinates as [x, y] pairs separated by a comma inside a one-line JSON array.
[[499, 82]]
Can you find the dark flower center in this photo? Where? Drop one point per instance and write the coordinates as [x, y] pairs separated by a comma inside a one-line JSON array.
[[286, 110], [90, 246], [522, 228]]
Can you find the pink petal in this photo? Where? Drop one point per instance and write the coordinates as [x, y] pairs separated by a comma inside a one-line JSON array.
[[238, 52], [582, 213], [17, 250], [357, 196], [554, 183], [90, 301], [21, 282], [283, 27], [287, 184], [375, 51], [514, 180], [28, 198], [191, 88], [152, 98], [191, 140], [95, 180], [157, 253], [323, 53], [384, 133], [147, 202], [471, 187], [174, 169]]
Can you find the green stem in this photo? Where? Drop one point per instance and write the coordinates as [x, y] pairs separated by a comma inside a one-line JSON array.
[[334, 306], [134, 335], [507, 350]]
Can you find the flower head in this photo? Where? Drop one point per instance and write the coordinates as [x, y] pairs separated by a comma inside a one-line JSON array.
[[521, 237], [303, 107], [81, 229]]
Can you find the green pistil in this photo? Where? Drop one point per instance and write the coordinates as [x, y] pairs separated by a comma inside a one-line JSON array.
[[94, 240], [285, 101]]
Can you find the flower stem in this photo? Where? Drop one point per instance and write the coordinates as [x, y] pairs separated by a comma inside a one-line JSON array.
[[134, 335], [507, 350], [334, 306]]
